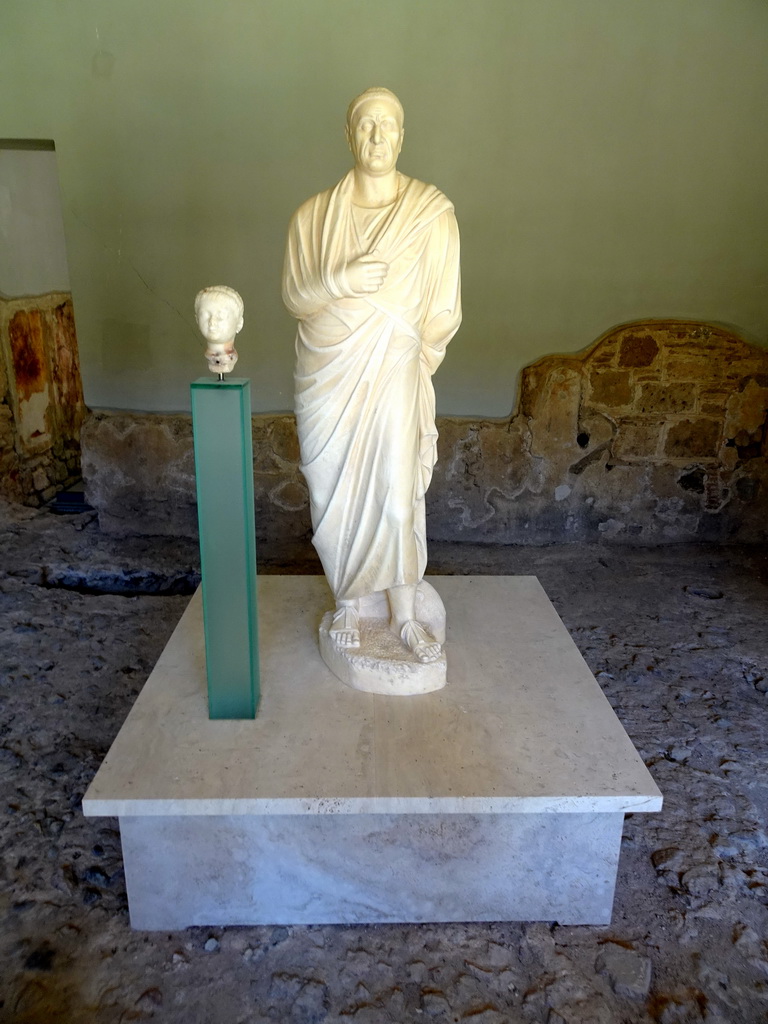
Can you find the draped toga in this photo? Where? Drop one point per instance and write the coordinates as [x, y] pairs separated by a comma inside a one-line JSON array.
[[365, 405]]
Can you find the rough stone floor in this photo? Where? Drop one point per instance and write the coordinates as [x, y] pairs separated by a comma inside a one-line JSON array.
[[677, 637]]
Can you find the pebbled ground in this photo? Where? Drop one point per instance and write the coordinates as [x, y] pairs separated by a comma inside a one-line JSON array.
[[676, 636]]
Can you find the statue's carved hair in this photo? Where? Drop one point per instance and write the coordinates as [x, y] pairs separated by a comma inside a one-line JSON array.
[[219, 289], [377, 92]]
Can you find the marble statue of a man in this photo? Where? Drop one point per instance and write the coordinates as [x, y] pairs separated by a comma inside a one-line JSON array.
[[372, 275], [219, 314]]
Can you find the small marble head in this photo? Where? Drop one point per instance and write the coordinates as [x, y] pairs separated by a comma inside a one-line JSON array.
[[219, 313]]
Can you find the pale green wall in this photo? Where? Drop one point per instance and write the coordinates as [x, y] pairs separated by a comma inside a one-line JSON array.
[[608, 160]]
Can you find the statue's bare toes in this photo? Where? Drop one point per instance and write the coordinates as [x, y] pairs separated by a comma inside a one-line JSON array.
[[344, 629], [345, 637], [428, 652], [415, 637]]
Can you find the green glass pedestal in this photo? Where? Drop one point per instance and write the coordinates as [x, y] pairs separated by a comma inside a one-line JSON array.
[[221, 423]]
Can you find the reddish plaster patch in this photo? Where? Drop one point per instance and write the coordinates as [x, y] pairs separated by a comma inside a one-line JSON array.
[[25, 331], [66, 367]]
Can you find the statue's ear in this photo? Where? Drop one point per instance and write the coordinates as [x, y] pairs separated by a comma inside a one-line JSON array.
[[239, 326]]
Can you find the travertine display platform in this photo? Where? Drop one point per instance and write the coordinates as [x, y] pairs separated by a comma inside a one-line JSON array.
[[500, 797]]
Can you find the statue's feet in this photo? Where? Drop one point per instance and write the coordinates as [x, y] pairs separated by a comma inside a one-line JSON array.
[[417, 639], [345, 627]]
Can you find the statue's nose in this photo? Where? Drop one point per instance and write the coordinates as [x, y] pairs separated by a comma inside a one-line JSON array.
[[376, 135]]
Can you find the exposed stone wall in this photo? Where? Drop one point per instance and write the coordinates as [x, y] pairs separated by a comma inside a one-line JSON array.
[[41, 397], [139, 473], [654, 434]]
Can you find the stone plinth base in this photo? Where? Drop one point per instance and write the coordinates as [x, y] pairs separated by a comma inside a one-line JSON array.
[[382, 663], [500, 796], [363, 868]]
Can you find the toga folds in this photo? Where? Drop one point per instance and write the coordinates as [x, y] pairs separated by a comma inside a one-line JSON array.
[[365, 405]]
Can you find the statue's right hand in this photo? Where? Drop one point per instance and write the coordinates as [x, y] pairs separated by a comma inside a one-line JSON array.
[[366, 275]]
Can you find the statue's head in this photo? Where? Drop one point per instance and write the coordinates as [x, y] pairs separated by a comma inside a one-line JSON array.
[[375, 130], [219, 313]]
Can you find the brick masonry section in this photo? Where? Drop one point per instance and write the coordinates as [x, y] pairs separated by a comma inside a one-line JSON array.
[[41, 397], [656, 433]]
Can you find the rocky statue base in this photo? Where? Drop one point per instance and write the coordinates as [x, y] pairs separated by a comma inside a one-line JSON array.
[[382, 663]]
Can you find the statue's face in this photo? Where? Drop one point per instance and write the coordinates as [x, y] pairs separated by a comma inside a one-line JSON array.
[[218, 318], [375, 136]]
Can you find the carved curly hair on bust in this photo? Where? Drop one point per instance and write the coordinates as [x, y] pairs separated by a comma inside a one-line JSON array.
[[220, 289]]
